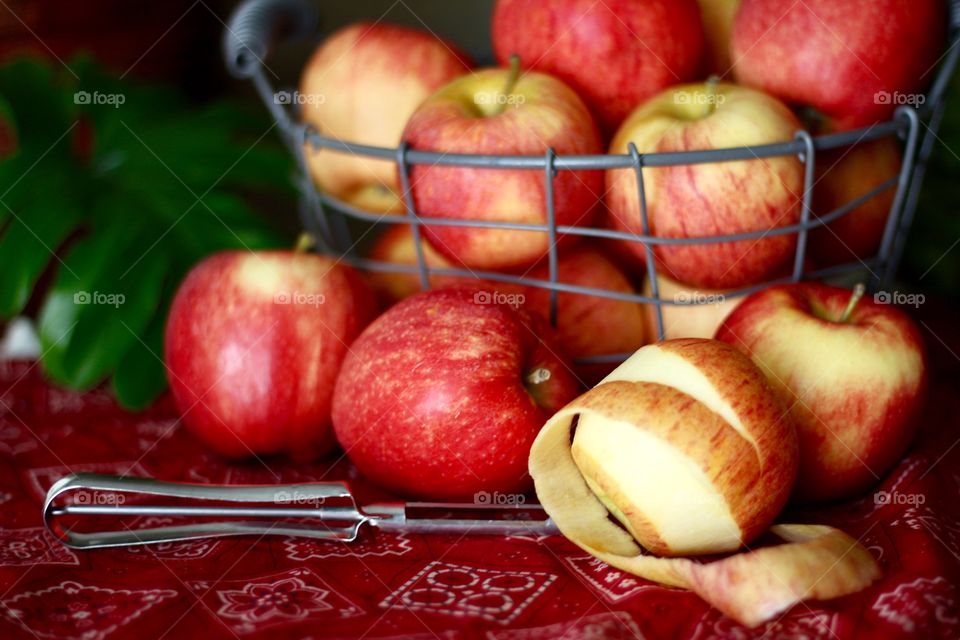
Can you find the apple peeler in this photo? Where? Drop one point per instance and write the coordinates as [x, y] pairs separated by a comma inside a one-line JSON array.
[[319, 510]]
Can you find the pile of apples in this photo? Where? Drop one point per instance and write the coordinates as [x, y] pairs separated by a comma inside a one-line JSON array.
[[800, 392]]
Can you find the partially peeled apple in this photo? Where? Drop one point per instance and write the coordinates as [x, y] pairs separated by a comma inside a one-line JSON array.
[[690, 450]]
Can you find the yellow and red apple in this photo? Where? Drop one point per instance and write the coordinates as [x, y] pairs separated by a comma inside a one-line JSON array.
[[687, 320], [361, 86], [691, 201], [851, 371], [500, 112], [395, 245]]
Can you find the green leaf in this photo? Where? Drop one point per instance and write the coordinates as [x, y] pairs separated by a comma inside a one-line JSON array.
[[141, 375], [43, 111], [29, 243], [120, 309], [83, 267], [138, 188]]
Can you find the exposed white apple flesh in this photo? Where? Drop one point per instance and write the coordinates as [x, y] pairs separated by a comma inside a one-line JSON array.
[[628, 470], [688, 446]]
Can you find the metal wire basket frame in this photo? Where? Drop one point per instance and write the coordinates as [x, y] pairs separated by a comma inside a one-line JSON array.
[[257, 25]]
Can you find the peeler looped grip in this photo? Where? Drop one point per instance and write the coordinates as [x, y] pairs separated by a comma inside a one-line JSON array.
[[319, 510]]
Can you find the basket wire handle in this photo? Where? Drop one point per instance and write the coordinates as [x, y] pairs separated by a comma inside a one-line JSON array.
[[255, 24], [894, 221]]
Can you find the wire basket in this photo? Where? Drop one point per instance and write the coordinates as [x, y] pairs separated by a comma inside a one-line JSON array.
[[257, 25]]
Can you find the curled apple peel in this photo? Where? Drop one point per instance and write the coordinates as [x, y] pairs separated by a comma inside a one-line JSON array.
[[687, 446]]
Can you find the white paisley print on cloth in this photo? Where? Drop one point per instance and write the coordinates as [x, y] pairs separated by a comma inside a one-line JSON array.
[[798, 624], [459, 590], [926, 607], [381, 545], [284, 598], [612, 625], [613, 584], [31, 546], [74, 611]]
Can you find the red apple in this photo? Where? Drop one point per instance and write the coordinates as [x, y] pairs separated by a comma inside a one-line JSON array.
[[442, 395], [614, 53], [690, 201], [361, 85], [587, 325], [844, 175], [852, 60], [254, 342], [496, 112], [852, 372], [590, 325], [395, 246]]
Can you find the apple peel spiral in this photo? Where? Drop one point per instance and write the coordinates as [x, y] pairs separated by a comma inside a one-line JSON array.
[[685, 450]]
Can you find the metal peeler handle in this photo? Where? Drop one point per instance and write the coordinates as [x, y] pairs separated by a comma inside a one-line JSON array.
[[324, 511]]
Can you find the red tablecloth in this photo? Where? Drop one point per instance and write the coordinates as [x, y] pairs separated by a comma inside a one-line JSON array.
[[414, 586]]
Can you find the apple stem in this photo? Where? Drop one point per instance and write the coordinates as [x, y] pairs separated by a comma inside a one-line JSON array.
[[512, 78], [305, 242], [538, 375], [711, 87], [858, 292]]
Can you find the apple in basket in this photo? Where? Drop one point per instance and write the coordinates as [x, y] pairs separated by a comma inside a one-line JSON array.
[[395, 246], [361, 85], [442, 395], [254, 341], [854, 61], [500, 112], [615, 53], [716, 198], [687, 450], [844, 175], [851, 371], [718, 18], [699, 315], [590, 325]]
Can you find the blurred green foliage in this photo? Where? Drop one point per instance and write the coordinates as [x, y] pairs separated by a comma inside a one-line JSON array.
[[109, 192]]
